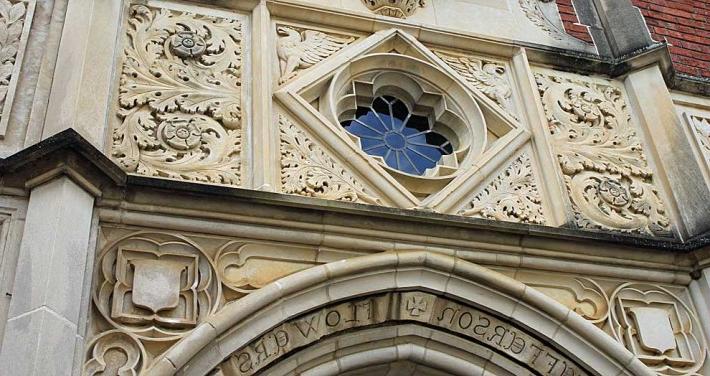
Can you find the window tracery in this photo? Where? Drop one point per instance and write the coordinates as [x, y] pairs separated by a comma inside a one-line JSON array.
[[404, 140]]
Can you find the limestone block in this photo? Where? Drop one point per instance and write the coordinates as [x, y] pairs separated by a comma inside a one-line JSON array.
[[39, 343], [54, 251], [677, 166]]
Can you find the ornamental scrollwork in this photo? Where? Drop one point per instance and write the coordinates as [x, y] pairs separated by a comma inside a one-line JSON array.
[[602, 160], [490, 77], [512, 196], [307, 170], [180, 97], [298, 50]]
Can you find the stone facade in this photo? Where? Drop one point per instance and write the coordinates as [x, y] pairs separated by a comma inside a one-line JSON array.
[[357, 187]]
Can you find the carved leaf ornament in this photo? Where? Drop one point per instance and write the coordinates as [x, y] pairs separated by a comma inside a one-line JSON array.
[[180, 97], [512, 196], [602, 160], [12, 19], [308, 171]]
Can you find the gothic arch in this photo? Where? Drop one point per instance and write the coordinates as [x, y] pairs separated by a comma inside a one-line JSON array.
[[455, 286]]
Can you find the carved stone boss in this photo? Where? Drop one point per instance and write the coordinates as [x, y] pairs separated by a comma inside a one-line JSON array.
[[180, 96], [400, 307], [15, 23], [394, 8]]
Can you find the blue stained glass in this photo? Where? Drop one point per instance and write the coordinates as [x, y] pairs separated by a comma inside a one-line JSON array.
[[405, 141]]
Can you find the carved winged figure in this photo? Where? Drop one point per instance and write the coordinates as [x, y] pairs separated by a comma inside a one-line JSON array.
[[301, 50], [486, 76]]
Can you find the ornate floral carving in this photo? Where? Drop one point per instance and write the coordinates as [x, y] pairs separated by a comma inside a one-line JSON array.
[[188, 44], [532, 11], [490, 77], [299, 50], [13, 35], [155, 286], [115, 353], [308, 171], [658, 327], [602, 160], [701, 130], [512, 196], [180, 97], [394, 8]]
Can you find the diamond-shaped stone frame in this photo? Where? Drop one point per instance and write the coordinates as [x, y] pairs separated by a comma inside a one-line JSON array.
[[294, 96]]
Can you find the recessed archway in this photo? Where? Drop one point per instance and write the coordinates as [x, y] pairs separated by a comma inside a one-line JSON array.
[[302, 312]]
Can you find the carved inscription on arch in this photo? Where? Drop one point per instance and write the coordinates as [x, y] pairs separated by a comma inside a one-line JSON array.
[[419, 307]]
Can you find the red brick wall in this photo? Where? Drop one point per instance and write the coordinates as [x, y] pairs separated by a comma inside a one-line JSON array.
[[571, 22], [684, 24]]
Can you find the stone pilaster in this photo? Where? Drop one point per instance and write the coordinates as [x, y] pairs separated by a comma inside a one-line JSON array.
[[679, 170], [44, 330]]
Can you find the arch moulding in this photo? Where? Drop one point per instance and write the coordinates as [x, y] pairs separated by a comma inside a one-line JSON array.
[[396, 291]]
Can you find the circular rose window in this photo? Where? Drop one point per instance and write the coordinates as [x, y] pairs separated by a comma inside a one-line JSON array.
[[405, 141], [415, 120]]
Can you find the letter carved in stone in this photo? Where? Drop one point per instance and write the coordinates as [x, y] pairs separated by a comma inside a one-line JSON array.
[[490, 77], [658, 327], [602, 159], [155, 286], [15, 22], [180, 97], [413, 307], [512, 196], [299, 50], [307, 170]]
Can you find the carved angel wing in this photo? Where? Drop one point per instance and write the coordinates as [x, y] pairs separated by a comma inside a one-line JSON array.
[[317, 46]]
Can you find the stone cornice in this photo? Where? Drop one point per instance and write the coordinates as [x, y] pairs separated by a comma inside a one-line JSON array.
[[69, 154]]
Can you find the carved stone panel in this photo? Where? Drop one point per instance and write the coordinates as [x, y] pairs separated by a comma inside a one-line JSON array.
[[511, 196], [610, 183], [299, 49], [155, 286], [490, 77], [307, 170], [15, 22], [180, 96], [658, 327]]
